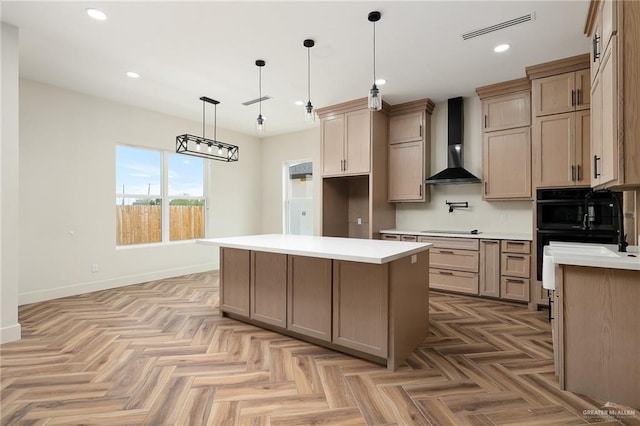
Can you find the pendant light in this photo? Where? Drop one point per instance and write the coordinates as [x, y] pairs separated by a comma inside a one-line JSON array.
[[260, 125], [215, 150], [375, 97], [309, 114]]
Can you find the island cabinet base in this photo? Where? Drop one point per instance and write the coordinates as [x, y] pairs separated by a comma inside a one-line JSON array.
[[597, 332], [379, 312]]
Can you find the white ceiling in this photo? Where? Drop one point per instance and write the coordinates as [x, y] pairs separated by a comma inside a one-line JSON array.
[[184, 50]]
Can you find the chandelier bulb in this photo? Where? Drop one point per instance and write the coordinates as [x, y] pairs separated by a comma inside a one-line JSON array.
[[198, 146]]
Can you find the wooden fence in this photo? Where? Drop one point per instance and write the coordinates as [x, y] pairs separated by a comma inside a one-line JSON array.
[[140, 224]]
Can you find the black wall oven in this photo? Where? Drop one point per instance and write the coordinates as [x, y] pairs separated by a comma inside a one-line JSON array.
[[562, 215]]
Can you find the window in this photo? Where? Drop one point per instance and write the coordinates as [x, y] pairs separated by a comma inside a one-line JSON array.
[[159, 196]]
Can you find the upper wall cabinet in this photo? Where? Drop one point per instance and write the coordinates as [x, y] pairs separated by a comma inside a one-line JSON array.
[[506, 111], [561, 123], [409, 151], [346, 143], [614, 31], [561, 93], [506, 142]]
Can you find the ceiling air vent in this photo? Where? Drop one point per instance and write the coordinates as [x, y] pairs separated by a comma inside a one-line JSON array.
[[255, 101], [500, 26]]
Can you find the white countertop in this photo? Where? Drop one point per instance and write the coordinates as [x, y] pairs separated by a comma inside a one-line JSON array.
[[481, 235], [564, 256], [351, 249]]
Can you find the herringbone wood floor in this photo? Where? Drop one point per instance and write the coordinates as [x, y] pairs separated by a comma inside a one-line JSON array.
[[158, 353]]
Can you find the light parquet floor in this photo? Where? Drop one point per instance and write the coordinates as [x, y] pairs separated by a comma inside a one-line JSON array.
[[159, 353]]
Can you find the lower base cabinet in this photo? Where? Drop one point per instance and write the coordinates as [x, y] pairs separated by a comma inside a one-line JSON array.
[[376, 311], [489, 284], [309, 297], [360, 300]]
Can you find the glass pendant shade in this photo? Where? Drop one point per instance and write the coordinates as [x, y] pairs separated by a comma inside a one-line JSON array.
[[309, 114], [375, 99], [260, 124]]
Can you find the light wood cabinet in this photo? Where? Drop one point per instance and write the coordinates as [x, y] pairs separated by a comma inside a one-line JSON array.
[[561, 145], [506, 164], [506, 142], [410, 151], [309, 296], [354, 192], [346, 143], [453, 264], [515, 270], [390, 237], [557, 94], [614, 28], [268, 295], [489, 283], [506, 112], [360, 300], [235, 265]]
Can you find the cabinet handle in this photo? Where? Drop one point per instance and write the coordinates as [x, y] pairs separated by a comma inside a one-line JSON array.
[[596, 175], [486, 190], [579, 174], [445, 252], [510, 256], [445, 273], [345, 165], [594, 43], [485, 121], [511, 280], [573, 98], [520, 243], [573, 173], [578, 96], [420, 189], [421, 130]]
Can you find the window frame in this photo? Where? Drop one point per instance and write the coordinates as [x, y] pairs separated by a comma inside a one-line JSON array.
[[165, 222]]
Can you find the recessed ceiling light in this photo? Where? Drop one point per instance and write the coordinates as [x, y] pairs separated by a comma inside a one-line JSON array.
[[132, 74], [380, 81], [96, 14], [299, 103], [501, 48]]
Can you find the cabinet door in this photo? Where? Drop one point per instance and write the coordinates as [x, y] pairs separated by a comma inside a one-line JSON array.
[[514, 289], [405, 127], [507, 112], [360, 306], [358, 142], [608, 165], [406, 171], [506, 164], [490, 268], [554, 95], [595, 156], [235, 278], [332, 137], [309, 297], [582, 145], [554, 148], [269, 288], [595, 48], [608, 22], [583, 89]]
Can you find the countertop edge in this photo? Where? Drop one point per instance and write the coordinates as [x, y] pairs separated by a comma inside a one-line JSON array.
[[483, 235]]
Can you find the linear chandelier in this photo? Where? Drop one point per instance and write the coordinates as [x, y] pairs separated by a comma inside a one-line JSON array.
[[207, 148]]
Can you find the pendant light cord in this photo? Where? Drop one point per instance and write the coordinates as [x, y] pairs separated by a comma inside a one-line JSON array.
[[260, 90], [215, 119], [374, 52], [309, 74], [203, 134]]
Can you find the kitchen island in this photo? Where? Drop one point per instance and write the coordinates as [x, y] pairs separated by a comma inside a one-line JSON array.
[[596, 330], [367, 298]]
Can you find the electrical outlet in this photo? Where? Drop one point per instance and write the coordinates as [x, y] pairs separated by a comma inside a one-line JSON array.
[[94, 267], [359, 221]]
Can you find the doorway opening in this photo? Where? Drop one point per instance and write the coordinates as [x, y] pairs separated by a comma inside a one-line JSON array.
[[298, 197]]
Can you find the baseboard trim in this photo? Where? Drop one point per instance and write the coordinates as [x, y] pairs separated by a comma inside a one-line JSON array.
[[80, 288], [10, 333]]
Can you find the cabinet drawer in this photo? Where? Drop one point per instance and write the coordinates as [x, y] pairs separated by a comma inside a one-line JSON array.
[[459, 260], [451, 243], [391, 237], [514, 289], [516, 265], [462, 282], [411, 238], [510, 246]]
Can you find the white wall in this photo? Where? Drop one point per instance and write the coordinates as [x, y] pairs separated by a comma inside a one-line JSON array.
[[275, 151], [495, 216], [9, 234], [67, 194]]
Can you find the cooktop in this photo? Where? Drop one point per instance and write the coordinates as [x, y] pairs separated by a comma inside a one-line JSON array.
[[439, 231]]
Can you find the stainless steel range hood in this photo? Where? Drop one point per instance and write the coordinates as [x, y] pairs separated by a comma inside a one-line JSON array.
[[455, 173]]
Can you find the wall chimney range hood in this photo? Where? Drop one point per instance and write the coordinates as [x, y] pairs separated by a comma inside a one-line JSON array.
[[455, 173]]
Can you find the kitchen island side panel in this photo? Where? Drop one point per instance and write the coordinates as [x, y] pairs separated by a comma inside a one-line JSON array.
[[235, 280]]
